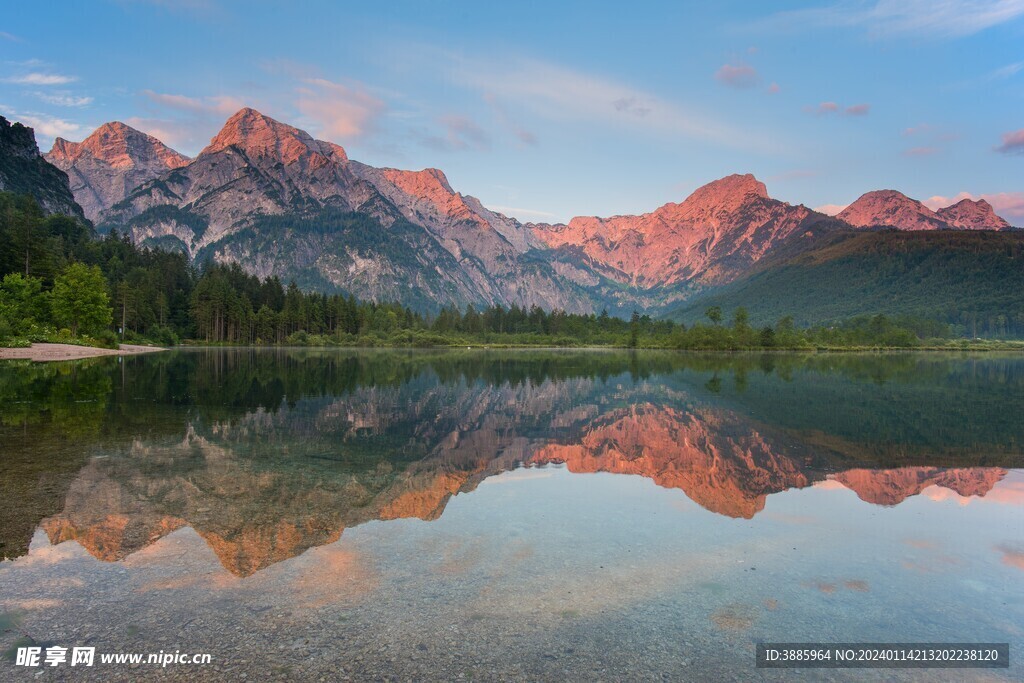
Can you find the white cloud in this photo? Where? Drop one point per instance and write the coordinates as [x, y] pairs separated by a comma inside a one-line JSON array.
[[1007, 71], [64, 99], [896, 18], [40, 78], [45, 126]]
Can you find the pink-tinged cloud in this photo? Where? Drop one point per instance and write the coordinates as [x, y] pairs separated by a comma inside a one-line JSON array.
[[1009, 205], [185, 136], [737, 75], [828, 108], [922, 129], [220, 105], [830, 209], [773, 88], [920, 151], [340, 112], [1013, 142], [1012, 555], [557, 93]]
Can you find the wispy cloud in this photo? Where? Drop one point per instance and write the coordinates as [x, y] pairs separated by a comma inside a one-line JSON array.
[[1009, 205], [795, 174], [923, 151], [1013, 142], [40, 78], [340, 112], [220, 104], [559, 93], [460, 133], [44, 125], [505, 120], [737, 75], [1007, 71], [64, 99], [11, 37], [829, 107], [631, 105], [183, 121], [899, 18], [522, 214], [197, 8], [180, 135]]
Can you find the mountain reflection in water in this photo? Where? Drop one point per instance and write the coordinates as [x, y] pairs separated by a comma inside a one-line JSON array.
[[266, 454]]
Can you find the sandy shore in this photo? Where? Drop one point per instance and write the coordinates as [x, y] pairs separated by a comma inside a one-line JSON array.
[[51, 352]]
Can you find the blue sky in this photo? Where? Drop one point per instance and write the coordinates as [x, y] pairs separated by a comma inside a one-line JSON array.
[[549, 110]]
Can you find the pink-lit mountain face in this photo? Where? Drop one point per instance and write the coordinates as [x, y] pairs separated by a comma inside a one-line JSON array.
[[968, 214], [713, 235], [110, 163], [890, 208], [271, 197]]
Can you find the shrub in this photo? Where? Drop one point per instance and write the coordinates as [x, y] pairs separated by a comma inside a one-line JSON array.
[[165, 336], [107, 339]]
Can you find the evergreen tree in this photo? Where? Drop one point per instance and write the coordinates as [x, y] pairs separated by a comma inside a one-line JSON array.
[[80, 301]]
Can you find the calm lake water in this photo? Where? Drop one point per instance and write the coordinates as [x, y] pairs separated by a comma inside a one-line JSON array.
[[525, 515]]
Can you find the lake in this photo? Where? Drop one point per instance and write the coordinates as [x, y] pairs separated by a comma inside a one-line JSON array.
[[508, 515]]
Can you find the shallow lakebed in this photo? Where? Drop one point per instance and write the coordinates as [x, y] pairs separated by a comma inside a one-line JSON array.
[[508, 515]]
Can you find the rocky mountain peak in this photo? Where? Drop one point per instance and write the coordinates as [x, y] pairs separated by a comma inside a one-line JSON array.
[[120, 146], [725, 194], [970, 214], [893, 209], [260, 136]]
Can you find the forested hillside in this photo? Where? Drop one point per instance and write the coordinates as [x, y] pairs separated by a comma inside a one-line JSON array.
[[973, 281]]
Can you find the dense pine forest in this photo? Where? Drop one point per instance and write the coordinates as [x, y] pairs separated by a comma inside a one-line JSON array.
[[63, 283], [971, 281]]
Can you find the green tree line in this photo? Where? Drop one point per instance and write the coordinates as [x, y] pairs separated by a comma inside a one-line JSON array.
[[62, 283]]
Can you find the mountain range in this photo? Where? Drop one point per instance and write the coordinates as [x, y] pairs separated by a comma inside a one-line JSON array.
[[272, 198]]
